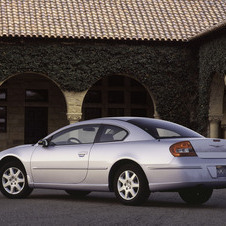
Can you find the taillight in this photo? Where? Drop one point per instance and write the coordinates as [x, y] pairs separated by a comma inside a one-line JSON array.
[[182, 149]]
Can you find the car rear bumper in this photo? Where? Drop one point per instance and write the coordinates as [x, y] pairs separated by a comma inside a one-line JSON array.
[[187, 172]]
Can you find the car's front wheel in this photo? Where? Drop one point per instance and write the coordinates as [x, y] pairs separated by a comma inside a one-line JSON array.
[[13, 182], [130, 185], [196, 195]]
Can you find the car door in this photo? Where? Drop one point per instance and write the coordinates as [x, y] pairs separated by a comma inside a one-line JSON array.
[[108, 146], [65, 159]]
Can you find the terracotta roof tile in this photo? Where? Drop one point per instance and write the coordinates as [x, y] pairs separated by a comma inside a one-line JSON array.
[[116, 19]]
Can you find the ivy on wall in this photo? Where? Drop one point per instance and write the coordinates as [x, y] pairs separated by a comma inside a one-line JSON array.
[[169, 72], [212, 57]]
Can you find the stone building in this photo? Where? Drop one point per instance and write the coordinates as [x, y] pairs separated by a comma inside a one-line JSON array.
[[63, 61]]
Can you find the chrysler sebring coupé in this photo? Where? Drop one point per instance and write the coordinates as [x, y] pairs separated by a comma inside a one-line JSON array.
[[129, 156]]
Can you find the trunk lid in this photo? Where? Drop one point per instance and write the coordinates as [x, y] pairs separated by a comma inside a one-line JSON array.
[[209, 148]]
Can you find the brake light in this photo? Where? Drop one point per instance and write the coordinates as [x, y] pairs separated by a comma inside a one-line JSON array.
[[182, 149]]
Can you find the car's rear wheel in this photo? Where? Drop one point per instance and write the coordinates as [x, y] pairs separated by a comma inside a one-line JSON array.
[[196, 195], [13, 182], [77, 194], [130, 185]]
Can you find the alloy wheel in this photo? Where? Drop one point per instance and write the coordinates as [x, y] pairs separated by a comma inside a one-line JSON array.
[[128, 185], [13, 180]]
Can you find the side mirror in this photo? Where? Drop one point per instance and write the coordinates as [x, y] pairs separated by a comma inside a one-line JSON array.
[[44, 143]]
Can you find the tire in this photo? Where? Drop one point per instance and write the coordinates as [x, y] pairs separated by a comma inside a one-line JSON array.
[[196, 196], [13, 182], [77, 194], [130, 185]]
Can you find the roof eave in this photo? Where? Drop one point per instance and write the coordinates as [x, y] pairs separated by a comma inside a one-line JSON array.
[[208, 31]]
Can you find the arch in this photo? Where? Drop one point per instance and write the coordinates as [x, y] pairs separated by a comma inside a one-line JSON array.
[[118, 95], [31, 98], [216, 105], [32, 74]]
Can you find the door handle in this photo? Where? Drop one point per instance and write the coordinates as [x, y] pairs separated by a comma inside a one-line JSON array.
[[82, 154]]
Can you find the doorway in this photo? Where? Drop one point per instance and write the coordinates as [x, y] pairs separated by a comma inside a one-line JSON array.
[[36, 124]]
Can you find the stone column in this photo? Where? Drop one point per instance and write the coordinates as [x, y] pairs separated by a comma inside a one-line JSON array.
[[74, 105], [156, 115], [214, 122], [224, 130], [74, 117]]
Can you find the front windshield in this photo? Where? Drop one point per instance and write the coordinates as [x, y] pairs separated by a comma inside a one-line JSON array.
[[160, 129]]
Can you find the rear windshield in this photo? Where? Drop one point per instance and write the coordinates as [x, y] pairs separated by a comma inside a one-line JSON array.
[[160, 129]]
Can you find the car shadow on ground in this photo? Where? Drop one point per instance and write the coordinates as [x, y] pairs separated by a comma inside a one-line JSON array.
[[89, 198], [109, 198]]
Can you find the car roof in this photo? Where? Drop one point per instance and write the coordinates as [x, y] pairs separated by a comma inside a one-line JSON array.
[[121, 118]]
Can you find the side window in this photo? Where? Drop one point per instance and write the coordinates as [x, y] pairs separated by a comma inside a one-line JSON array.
[[76, 135], [166, 133], [112, 133]]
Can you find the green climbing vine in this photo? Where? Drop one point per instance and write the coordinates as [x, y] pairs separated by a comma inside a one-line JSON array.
[[169, 71], [212, 57]]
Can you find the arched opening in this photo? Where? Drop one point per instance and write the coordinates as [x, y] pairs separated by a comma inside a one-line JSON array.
[[223, 122], [117, 96], [31, 106], [216, 106]]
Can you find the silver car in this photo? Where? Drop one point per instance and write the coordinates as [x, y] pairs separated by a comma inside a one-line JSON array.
[[129, 156]]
